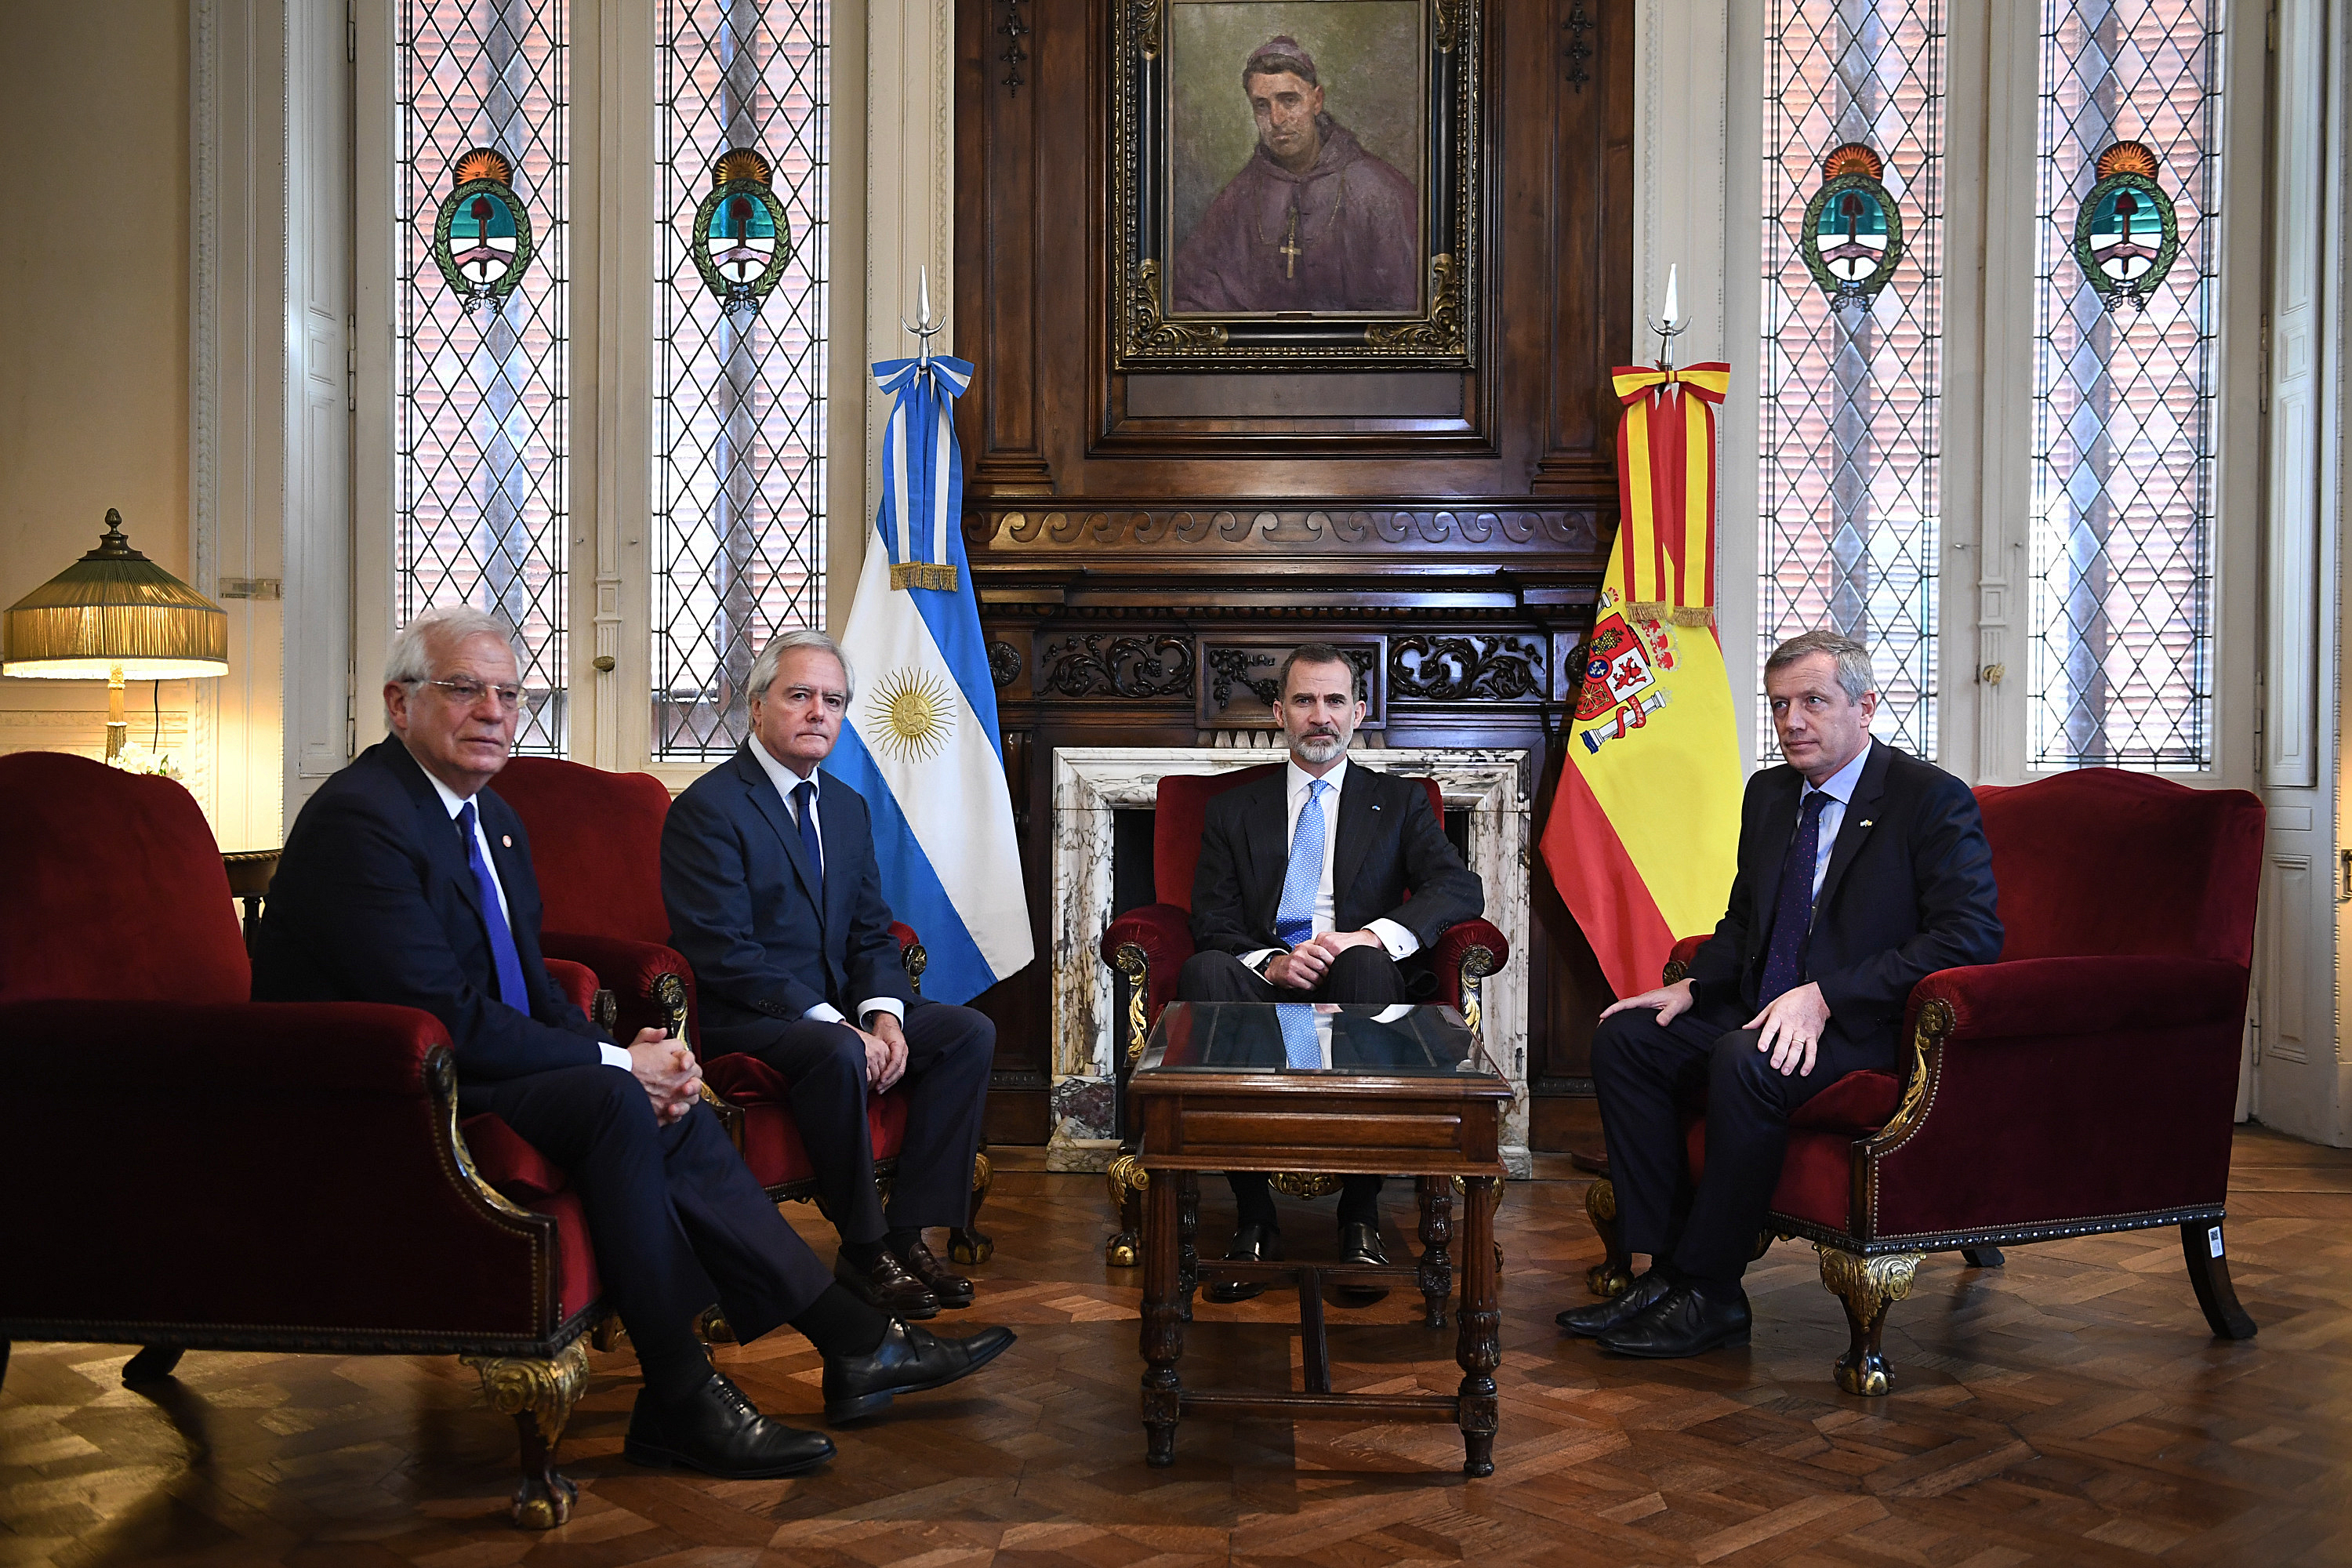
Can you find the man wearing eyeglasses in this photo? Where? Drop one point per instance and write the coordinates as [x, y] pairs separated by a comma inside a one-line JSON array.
[[408, 880]]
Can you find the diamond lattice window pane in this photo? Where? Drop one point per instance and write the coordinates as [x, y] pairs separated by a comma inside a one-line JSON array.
[[2121, 652], [481, 405], [739, 401], [1852, 429]]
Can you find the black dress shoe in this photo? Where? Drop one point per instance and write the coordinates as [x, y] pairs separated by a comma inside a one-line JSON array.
[[1682, 1322], [1592, 1322], [908, 1361], [949, 1289], [1359, 1244], [886, 1286], [718, 1431], [1252, 1244]]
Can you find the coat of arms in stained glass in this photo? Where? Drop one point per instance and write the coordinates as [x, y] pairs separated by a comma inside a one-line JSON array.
[[742, 239], [2127, 235], [481, 237], [1854, 233]]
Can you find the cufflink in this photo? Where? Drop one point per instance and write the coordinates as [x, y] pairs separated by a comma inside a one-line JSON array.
[[508, 839]]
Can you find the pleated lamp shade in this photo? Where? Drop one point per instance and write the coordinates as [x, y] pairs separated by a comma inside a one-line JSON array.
[[114, 615]]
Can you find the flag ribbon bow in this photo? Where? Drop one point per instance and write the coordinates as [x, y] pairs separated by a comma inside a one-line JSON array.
[[1711, 381], [923, 469]]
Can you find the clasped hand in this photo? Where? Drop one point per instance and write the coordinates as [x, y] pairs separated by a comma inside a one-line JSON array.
[[885, 1051], [1789, 1028], [1304, 966], [666, 1070]]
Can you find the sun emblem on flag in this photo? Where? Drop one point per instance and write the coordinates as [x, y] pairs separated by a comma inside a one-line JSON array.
[[918, 715]]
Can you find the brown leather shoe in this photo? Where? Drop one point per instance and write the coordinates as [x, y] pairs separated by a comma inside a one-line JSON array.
[[888, 1286], [951, 1289]]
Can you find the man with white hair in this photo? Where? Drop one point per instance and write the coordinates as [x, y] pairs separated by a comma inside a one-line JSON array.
[[408, 880], [775, 898]]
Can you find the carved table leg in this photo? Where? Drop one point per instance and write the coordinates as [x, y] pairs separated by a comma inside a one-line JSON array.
[[153, 1364], [1867, 1287], [967, 1243], [1437, 1229], [2209, 1271], [1126, 1179], [1614, 1274], [1164, 1320], [539, 1394], [1478, 1347]]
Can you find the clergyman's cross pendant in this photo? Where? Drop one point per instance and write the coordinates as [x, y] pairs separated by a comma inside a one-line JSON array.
[[1289, 246]]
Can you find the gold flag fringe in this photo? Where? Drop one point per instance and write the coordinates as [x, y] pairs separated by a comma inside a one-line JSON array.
[[923, 574], [1673, 615]]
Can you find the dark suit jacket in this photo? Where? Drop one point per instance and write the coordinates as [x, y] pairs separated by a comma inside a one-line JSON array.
[[1909, 890], [743, 900], [1389, 842], [373, 900]]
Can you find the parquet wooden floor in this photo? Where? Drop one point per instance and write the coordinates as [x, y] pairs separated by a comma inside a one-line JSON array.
[[2069, 1409]]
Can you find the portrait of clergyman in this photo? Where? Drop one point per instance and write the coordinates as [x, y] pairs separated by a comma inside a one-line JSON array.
[[1298, 156]]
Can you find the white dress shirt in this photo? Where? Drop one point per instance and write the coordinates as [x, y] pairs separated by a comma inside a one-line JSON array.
[[786, 782], [1399, 942], [611, 1056], [1839, 787]]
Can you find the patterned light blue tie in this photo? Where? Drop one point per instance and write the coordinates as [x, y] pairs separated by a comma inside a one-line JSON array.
[[1298, 1047], [1293, 922], [503, 956]]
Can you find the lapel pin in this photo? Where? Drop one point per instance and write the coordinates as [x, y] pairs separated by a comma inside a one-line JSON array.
[[1866, 822], [508, 839]]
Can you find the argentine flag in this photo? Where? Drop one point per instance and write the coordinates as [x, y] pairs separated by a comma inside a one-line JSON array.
[[920, 743]]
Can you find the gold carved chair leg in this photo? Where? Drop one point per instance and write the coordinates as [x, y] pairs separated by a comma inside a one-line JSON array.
[[1867, 1287], [539, 1394], [1612, 1276], [1127, 1180], [968, 1243]]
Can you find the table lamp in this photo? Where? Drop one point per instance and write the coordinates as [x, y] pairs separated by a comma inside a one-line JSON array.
[[114, 615]]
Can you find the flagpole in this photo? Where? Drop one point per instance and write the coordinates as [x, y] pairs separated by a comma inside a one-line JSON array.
[[923, 327]]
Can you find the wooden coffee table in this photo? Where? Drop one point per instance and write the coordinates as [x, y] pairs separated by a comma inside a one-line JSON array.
[[1396, 1090]]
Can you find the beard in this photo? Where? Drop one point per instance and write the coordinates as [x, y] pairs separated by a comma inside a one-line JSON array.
[[1318, 748]]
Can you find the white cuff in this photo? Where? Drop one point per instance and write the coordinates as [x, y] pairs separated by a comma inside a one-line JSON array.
[[825, 1013], [615, 1056], [1401, 943], [890, 1004], [1257, 959]]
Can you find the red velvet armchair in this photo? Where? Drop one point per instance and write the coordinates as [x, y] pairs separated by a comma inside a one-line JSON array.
[[1146, 947], [2086, 1082], [596, 842], [272, 1176]]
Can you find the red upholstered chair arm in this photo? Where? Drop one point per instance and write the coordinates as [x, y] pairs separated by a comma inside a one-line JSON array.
[[1458, 944], [1678, 961], [1164, 934], [651, 984], [2057, 1091], [261, 1164], [742, 1079], [577, 981]]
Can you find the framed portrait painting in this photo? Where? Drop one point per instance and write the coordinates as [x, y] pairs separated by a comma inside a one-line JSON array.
[[1295, 182]]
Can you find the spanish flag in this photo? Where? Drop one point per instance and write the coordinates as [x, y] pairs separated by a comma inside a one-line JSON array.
[[1643, 834]]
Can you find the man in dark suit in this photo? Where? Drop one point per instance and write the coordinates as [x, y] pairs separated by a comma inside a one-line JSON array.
[[406, 880], [774, 898], [1291, 904], [1861, 870]]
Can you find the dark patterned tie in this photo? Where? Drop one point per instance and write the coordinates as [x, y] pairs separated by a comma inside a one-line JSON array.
[[1792, 914], [503, 956], [805, 811]]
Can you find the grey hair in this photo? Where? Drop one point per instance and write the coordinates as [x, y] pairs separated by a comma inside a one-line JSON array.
[[764, 668], [1316, 653], [1853, 676], [409, 661]]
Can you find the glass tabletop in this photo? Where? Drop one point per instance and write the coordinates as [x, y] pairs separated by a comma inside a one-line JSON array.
[[1398, 1041]]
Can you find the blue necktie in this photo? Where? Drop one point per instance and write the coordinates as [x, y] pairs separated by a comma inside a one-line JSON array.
[[1293, 922], [1298, 1047], [509, 963], [1792, 915], [804, 811]]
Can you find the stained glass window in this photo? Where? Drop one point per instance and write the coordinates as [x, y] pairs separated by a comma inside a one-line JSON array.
[[2123, 385], [1851, 367], [481, 403], [740, 394]]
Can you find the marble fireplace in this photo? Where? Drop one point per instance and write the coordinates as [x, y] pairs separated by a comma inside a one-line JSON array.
[[1090, 784]]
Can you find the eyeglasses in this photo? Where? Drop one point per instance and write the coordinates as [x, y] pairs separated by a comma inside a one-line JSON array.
[[469, 692]]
